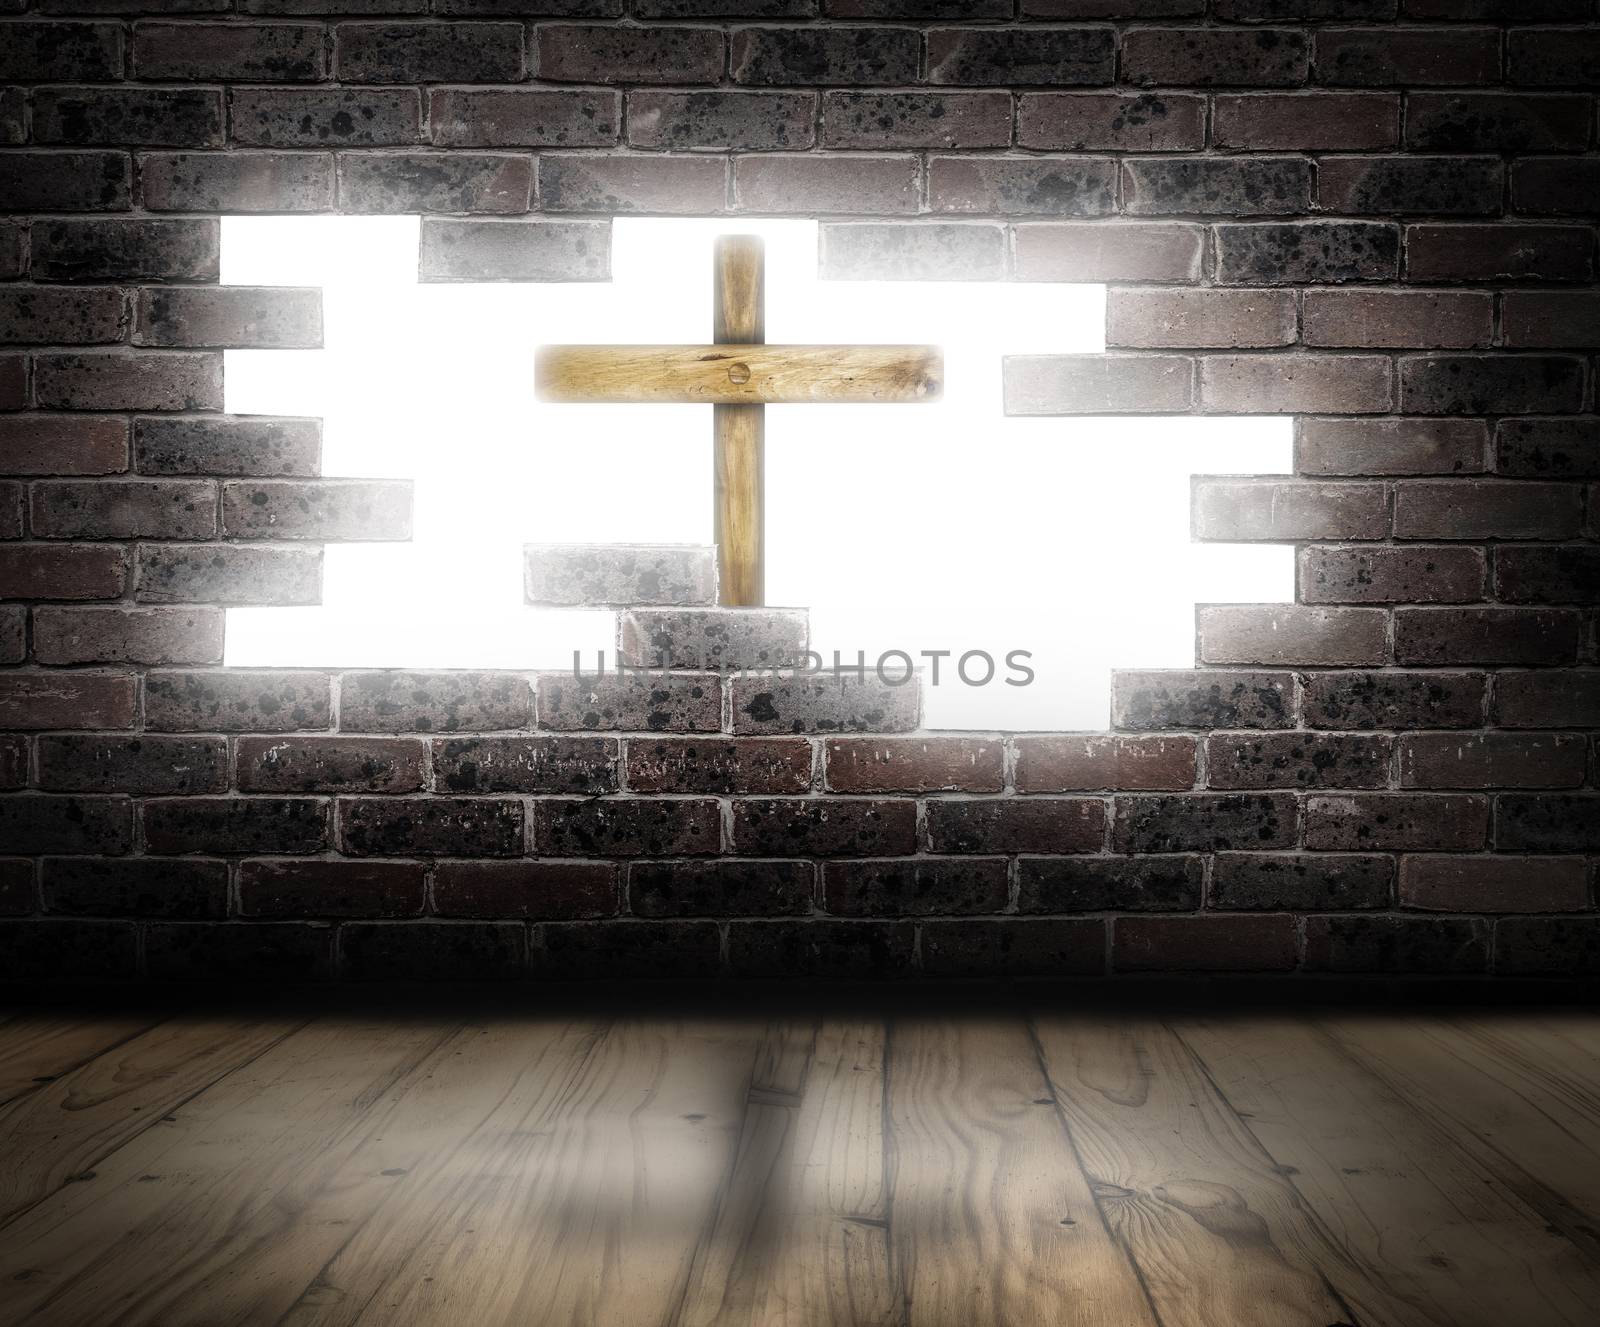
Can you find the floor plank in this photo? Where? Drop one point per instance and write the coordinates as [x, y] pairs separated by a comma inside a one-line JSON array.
[[36, 1049]]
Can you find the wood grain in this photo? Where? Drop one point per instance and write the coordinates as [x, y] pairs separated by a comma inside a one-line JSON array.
[[35, 1049], [739, 462]]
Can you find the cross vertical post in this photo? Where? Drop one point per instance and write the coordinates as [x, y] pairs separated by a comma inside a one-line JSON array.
[[739, 318]]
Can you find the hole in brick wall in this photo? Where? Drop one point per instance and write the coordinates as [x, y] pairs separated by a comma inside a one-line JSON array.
[[918, 528]]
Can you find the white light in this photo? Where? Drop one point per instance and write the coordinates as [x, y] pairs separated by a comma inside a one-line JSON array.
[[917, 528]]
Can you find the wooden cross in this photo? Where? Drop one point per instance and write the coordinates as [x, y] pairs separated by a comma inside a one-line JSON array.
[[739, 375]]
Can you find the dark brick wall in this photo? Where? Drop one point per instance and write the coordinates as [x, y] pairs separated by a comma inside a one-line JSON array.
[[1376, 215]]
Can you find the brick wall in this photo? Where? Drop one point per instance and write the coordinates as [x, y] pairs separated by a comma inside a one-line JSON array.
[[1376, 215]]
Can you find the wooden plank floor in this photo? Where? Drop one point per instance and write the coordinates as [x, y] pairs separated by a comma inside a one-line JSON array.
[[887, 1167]]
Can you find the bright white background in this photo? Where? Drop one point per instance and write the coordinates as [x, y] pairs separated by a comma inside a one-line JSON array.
[[926, 527]]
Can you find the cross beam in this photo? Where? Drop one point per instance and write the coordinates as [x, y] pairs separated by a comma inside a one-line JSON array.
[[739, 375]]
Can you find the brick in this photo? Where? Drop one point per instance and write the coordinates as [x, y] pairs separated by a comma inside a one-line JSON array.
[[1013, 948], [254, 951], [1396, 822], [1539, 946], [48, 315], [1155, 318], [330, 889], [945, 251], [429, 53], [914, 764], [656, 949], [1548, 700], [712, 638], [1312, 11], [1562, 575], [720, 889], [392, 701], [724, 8], [1395, 944], [236, 700], [852, 57], [959, 9], [577, 53], [579, 575], [66, 700], [1098, 384], [13, 775], [1271, 57], [1496, 122], [537, 8], [1008, 57], [1203, 822], [1297, 253], [236, 825], [1387, 185], [147, 764], [1203, 944], [1305, 121], [1087, 762], [13, 394], [1297, 760], [13, 261], [1074, 187], [17, 895], [800, 703], [1121, 9], [65, 182], [13, 636], [722, 121], [1179, 698], [443, 951], [1220, 186], [1487, 509], [32, 823], [714, 765], [1430, 575], [1246, 634], [1238, 510], [435, 182], [1410, 318], [1554, 186], [526, 764], [524, 117], [124, 508], [1110, 121], [829, 185], [1132, 251], [1498, 253], [430, 827], [13, 115], [515, 250], [96, 249], [823, 827], [1434, 636], [1547, 822], [129, 117], [1295, 882], [542, 891], [326, 117], [1491, 384], [1390, 447], [361, 509], [1407, 57], [1554, 57], [110, 380], [651, 184], [1115, 884], [135, 887], [1012, 825], [330, 764], [60, 52], [914, 887], [138, 635], [1560, 318], [628, 827], [890, 120], [241, 316], [227, 445], [61, 571], [661, 702], [1514, 11], [1297, 384], [56, 950], [1491, 760], [1394, 700], [237, 52]]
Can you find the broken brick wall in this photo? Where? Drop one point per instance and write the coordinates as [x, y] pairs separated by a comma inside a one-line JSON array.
[[1375, 215]]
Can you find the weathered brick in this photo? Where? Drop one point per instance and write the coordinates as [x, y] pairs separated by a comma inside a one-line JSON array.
[[823, 827], [801, 703], [435, 182], [253, 52], [722, 121], [851, 57], [958, 9], [1109, 884], [32, 823], [1430, 575], [439, 951], [13, 396], [243, 316], [126, 249], [1155, 318], [1294, 253], [526, 764], [53, 315], [1297, 760], [325, 117], [660, 702], [515, 250], [1390, 447], [524, 117], [1014, 948], [66, 700], [392, 701], [135, 887], [1237, 510], [1295, 882], [236, 825], [330, 889], [330, 764], [1409, 318], [1012, 825], [61, 52], [1568, 574], [1496, 122], [1156, 700], [1007, 57], [1554, 57], [1090, 761], [137, 635], [1115, 121], [1246, 634], [578, 53], [592, 575], [13, 259], [627, 827], [1203, 944], [829, 185], [1491, 384], [1064, 186], [1305, 121], [1525, 252], [1395, 944], [129, 117], [364, 509], [1219, 186], [1434, 636], [1312, 11], [544, 891], [914, 764], [1396, 822], [61, 571], [1406, 57], [718, 765], [253, 951], [1559, 318], [945, 251], [13, 775], [1494, 884], [914, 887], [83, 763], [1501, 11], [430, 827], [1132, 251], [889, 120], [227, 445], [1555, 186], [1487, 509], [1569, 699], [1536, 946], [1294, 384], [1547, 822], [1394, 700], [65, 182], [1492, 760], [1450, 186], [1120, 9], [429, 53], [236, 701], [1097, 384], [655, 949], [56, 950], [1203, 822], [712, 638], [112, 380], [1270, 57], [13, 636], [720, 889], [652, 184]]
